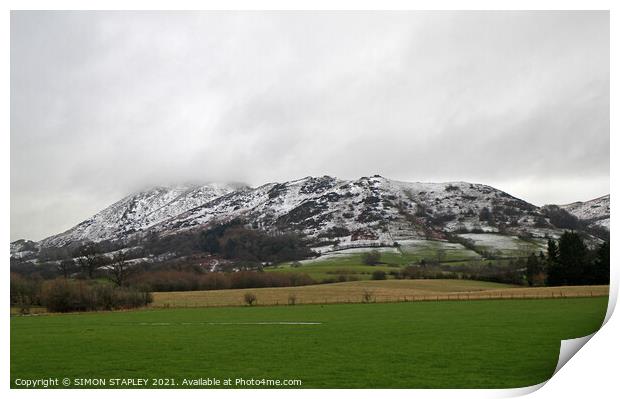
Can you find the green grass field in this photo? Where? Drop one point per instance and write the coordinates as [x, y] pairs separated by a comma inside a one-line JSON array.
[[503, 245], [349, 262], [450, 344]]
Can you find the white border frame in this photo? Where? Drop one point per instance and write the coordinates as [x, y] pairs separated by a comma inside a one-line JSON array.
[[591, 372]]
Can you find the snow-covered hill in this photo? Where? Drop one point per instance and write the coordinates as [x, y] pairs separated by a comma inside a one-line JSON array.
[[370, 208], [366, 210], [23, 249], [138, 212], [593, 212]]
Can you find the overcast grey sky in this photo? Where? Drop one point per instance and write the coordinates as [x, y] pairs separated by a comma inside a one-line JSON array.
[[106, 103]]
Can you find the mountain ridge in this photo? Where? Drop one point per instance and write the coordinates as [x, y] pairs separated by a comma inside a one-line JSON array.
[[594, 212], [367, 209], [138, 211]]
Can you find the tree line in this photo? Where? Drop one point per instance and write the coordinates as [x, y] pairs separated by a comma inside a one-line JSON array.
[[74, 295], [234, 241], [569, 262], [191, 280]]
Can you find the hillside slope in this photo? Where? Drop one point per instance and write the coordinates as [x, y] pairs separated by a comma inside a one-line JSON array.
[[348, 212], [138, 212], [367, 209], [594, 212]]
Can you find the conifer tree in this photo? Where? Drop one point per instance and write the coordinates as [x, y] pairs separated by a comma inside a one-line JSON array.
[[553, 271], [600, 269], [532, 268], [573, 259]]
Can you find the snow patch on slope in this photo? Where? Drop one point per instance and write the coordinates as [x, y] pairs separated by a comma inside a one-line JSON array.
[[140, 211], [596, 211]]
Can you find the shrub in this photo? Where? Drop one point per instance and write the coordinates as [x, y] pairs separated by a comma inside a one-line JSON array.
[[24, 292], [371, 258], [105, 295], [249, 298], [367, 296], [378, 275], [62, 295]]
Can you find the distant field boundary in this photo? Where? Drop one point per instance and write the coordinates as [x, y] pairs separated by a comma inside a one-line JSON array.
[[360, 292], [280, 296], [344, 247]]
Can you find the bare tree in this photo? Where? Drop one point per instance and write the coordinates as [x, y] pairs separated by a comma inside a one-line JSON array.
[[89, 258], [120, 269], [66, 266], [249, 298]]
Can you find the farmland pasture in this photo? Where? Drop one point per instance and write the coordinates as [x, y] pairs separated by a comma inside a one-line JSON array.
[[379, 291], [505, 245], [449, 344], [349, 262]]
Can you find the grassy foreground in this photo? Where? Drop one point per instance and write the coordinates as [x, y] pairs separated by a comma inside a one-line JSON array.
[[379, 290], [449, 344]]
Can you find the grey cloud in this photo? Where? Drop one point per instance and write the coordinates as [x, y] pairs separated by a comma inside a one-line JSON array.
[[104, 103]]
